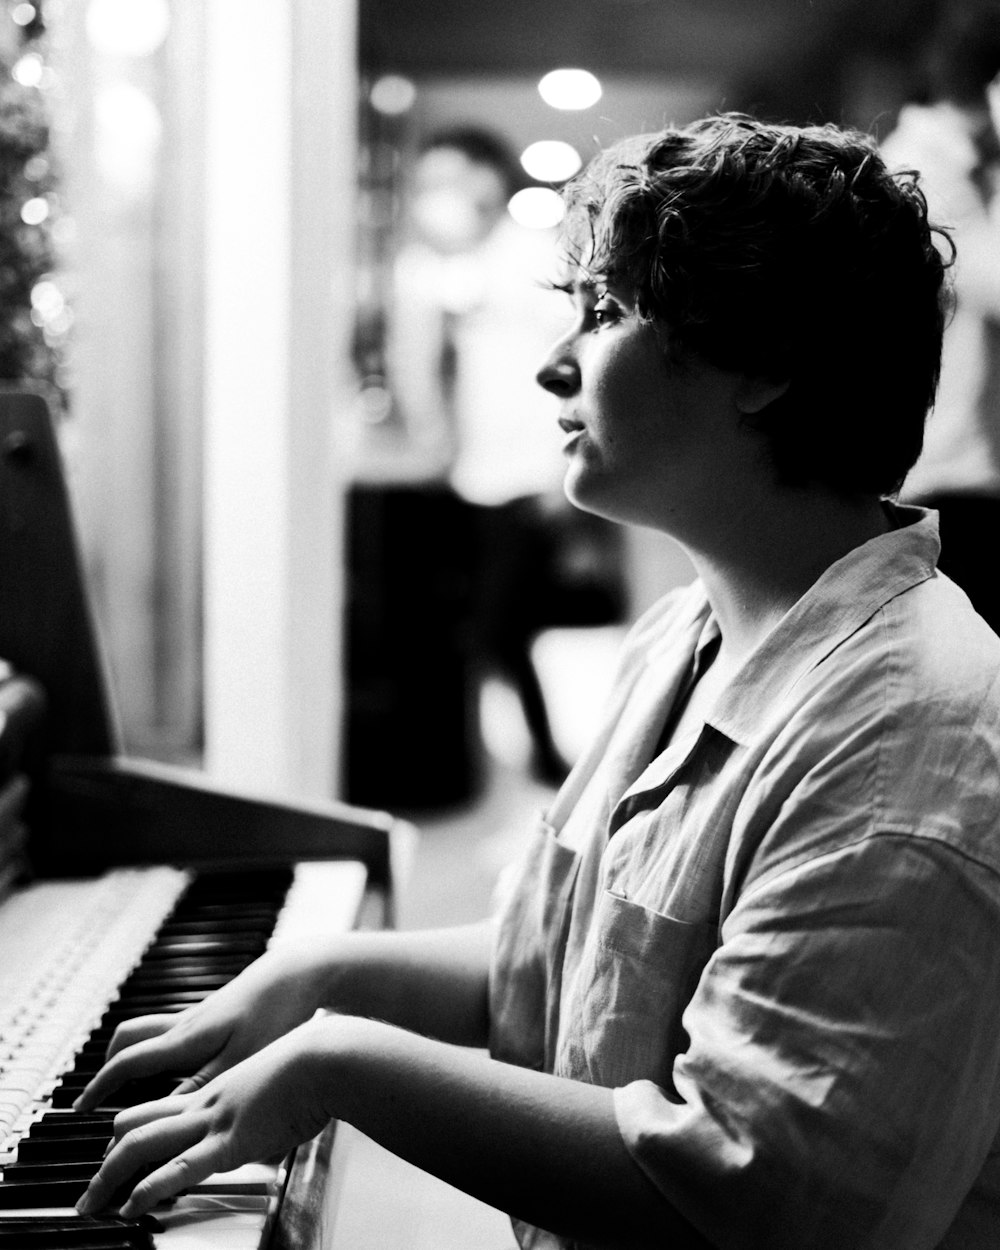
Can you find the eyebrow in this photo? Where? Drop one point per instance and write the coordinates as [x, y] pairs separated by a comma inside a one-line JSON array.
[[581, 286]]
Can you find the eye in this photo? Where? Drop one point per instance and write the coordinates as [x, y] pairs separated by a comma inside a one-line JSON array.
[[605, 311]]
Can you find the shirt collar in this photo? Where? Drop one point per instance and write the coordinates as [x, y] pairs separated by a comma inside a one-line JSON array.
[[835, 606]]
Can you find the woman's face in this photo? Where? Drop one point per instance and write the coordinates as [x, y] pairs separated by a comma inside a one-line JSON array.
[[649, 440]]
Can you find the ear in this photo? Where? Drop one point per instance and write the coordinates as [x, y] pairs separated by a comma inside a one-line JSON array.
[[754, 394]]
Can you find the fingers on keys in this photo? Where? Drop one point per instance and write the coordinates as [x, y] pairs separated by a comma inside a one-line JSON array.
[[150, 1163], [145, 1058], [141, 1029]]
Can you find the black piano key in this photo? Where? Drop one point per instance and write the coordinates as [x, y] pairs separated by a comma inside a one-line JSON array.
[[77, 1233], [251, 912], [88, 1065], [183, 971], [42, 1238], [90, 1148], [166, 998], [16, 1195], [79, 1081], [189, 946], [205, 981], [145, 1090], [72, 1125], [94, 1045], [114, 1016], [217, 926], [81, 1170]]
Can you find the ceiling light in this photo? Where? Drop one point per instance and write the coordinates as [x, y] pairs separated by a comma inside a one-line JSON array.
[[392, 94], [570, 89], [551, 160], [536, 207]]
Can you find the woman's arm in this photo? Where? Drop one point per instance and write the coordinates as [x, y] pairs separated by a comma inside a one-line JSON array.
[[433, 982], [546, 1149]]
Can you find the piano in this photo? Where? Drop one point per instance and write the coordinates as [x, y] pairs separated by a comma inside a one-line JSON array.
[[142, 887]]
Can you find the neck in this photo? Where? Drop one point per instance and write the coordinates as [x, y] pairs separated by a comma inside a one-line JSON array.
[[764, 559]]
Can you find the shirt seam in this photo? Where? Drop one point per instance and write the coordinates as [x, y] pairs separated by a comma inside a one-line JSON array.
[[882, 831]]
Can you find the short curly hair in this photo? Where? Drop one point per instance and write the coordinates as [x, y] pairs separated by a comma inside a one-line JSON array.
[[789, 253]]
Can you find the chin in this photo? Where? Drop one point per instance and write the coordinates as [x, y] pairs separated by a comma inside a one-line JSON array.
[[588, 497]]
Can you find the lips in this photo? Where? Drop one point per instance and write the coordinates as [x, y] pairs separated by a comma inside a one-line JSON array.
[[569, 425]]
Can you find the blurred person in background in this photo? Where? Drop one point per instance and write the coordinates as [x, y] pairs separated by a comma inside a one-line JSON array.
[[471, 318], [954, 140]]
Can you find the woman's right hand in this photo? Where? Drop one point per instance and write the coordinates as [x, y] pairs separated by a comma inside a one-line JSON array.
[[270, 997]]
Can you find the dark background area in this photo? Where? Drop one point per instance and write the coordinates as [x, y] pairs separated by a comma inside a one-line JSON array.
[[792, 60]]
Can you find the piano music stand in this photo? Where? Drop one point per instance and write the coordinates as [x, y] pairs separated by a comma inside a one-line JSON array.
[[46, 626]]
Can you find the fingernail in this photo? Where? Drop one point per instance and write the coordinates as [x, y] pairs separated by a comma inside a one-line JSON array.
[[85, 1204]]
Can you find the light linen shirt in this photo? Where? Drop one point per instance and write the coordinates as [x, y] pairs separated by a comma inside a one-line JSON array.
[[778, 939]]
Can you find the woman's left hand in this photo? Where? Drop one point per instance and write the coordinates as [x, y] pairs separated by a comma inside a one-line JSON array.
[[258, 1109]]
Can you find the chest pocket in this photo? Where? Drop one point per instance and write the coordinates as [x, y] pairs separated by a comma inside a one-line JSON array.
[[638, 972], [526, 974]]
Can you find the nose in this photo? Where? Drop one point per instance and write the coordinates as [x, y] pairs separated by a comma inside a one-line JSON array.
[[559, 373]]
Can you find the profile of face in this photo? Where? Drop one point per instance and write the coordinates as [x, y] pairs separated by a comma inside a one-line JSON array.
[[456, 201], [649, 439]]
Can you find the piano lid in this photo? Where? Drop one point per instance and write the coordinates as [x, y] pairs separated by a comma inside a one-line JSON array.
[[47, 628]]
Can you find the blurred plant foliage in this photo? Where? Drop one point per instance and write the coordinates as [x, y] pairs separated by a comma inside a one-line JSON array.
[[34, 316]]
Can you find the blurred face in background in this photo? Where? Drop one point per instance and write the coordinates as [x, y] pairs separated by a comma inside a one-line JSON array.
[[456, 202]]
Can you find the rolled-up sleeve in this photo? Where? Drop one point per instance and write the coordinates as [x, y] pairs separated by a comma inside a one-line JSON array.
[[841, 1085]]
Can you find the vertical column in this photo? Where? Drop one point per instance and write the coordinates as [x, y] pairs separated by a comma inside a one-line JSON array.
[[281, 103]]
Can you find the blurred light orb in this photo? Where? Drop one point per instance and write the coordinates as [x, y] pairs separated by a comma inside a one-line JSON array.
[[35, 210], [127, 27], [539, 208], [570, 89], [47, 300], [392, 94], [29, 70], [550, 160], [36, 167], [23, 14]]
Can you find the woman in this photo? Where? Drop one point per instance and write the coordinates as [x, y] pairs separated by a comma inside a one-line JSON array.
[[744, 990]]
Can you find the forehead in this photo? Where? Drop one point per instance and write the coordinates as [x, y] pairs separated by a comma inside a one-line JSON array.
[[597, 241]]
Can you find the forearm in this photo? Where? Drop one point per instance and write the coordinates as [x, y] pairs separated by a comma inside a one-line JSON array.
[[542, 1148], [432, 982]]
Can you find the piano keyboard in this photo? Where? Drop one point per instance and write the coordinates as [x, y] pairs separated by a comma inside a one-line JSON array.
[[79, 957]]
